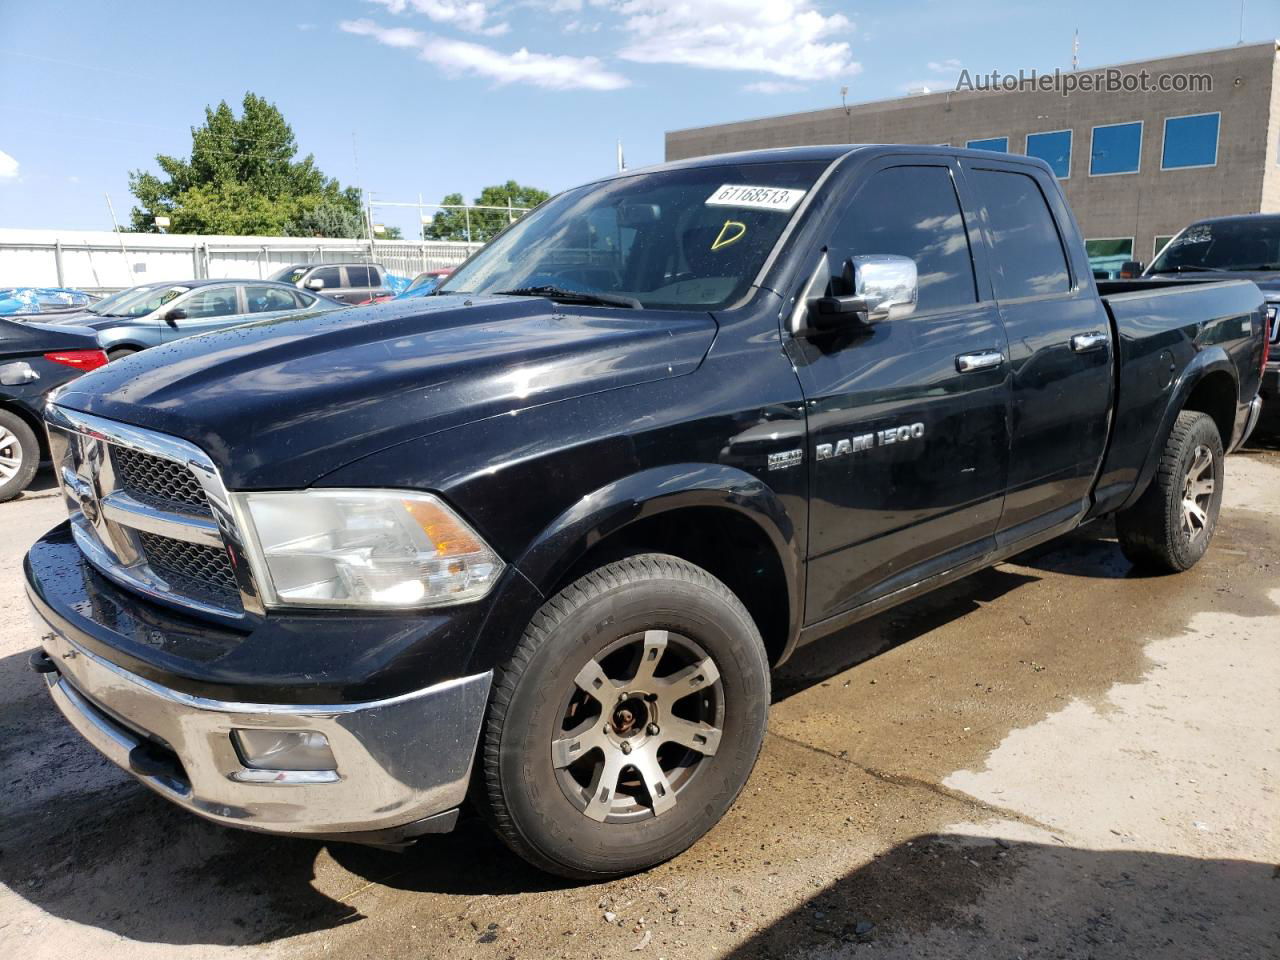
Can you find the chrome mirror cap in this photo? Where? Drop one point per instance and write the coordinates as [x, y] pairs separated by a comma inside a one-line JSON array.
[[887, 285]]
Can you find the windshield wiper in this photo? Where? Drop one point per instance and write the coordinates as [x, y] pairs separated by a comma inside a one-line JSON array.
[[560, 295], [1189, 268]]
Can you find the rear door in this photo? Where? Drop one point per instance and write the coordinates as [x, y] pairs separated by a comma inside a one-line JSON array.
[[1059, 342], [908, 421], [263, 301], [358, 287]]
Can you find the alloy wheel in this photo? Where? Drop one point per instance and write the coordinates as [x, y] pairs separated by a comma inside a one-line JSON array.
[[10, 455], [643, 719], [1197, 493]]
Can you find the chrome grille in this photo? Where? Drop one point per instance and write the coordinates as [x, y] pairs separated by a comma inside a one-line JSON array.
[[192, 568], [1273, 317], [149, 512], [157, 480]]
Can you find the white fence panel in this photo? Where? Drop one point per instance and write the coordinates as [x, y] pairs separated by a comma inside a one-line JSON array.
[[100, 261]]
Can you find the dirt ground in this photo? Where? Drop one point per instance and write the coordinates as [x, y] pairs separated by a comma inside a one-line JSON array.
[[1055, 758]]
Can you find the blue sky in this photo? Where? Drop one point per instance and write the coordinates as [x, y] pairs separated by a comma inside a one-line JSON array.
[[404, 97]]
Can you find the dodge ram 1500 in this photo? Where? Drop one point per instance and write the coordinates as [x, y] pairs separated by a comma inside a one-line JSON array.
[[537, 540]]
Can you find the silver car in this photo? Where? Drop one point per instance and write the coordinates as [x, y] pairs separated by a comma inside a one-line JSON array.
[[157, 313]]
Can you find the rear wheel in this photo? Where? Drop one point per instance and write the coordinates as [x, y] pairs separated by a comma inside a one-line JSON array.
[[119, 353], [1170, 526], [627, 721], [19, 455]]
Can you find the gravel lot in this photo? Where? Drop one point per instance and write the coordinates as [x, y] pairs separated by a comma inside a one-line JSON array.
[[1054, 758]]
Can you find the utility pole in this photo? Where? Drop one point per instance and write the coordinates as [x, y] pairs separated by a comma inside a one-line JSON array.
[[1075, 51], [622, 161], [116, 226]]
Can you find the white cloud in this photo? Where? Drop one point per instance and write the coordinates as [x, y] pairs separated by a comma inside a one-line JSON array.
[[469, 15], [945, 66], [578, 26], [8, 166], [773, 86], [306, 27], [786, 38], [463, 57]]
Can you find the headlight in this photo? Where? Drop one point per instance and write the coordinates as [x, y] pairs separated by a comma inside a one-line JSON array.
[[363, 548]]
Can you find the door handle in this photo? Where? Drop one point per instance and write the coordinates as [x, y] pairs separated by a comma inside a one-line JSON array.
[[1084, 342], [984, 360]]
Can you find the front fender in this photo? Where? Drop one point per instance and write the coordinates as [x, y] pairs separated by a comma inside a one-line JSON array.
[[649, 493]]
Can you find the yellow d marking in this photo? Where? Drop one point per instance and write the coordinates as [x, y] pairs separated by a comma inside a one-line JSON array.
[[727, 237]]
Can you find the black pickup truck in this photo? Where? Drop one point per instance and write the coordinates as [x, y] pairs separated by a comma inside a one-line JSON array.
[[535, 542]]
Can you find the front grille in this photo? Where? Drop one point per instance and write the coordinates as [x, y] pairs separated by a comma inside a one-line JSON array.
[[192, 569], [157, 481]]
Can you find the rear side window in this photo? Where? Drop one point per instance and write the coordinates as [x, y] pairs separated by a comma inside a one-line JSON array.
[[358, 277], [913, 212], [332, 277], [1029, 260], [268, 299]]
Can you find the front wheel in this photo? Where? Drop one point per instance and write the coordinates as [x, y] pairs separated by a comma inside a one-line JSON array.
[[627, 721], [1170, 526]]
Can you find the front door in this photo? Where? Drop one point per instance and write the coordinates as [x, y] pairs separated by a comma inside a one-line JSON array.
[[907, 421], [206, 309], [1060, 348]]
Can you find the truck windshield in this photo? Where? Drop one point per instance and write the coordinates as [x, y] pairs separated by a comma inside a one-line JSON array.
[[1227, 245], [672, 239]]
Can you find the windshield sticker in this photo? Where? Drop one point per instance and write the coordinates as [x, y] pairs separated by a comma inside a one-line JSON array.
[[731, 232], [755, 198]]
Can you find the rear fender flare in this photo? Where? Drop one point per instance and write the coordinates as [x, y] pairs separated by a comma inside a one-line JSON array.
[[1207, 361]]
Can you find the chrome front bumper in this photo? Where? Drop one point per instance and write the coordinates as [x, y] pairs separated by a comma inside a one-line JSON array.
[[400, 762]]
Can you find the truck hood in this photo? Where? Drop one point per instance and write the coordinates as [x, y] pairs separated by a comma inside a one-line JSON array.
[[281, 402]]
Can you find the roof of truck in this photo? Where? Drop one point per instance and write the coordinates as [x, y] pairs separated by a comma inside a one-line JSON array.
[[825, 153]]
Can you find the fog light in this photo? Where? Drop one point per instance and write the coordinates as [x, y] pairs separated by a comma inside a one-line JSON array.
[[284, 749]]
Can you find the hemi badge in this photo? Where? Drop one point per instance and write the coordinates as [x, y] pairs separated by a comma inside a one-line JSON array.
[[787, 458]]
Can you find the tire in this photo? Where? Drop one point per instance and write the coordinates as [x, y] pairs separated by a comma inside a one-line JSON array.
[[669, 631], [1170, 526], [119, 353], [19, 455]]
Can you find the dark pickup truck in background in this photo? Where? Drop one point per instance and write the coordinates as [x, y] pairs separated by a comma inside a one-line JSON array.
[[1245, 247], [537, 540]]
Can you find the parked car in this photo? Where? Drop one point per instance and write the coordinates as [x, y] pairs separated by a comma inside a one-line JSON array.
[[351, 283], [34, 360], [538, 540], [38, 301], [152, 314], [424, 284], [1244, 246]]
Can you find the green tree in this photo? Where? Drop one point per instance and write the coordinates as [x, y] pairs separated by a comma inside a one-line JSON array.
[[452, 224], [242, 178]]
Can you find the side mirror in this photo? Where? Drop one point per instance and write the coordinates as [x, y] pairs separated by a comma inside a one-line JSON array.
[[875, 288], [315, 283], [1131, 270], [174, 315]]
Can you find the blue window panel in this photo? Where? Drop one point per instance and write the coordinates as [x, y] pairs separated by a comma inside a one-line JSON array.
[[998, 144], [1190, 141], [1116, 148], [1054, 149]]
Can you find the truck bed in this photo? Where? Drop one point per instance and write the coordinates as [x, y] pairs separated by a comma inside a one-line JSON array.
[[1164, 329]]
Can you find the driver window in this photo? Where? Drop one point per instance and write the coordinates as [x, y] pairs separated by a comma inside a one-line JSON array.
[[913, 212]]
